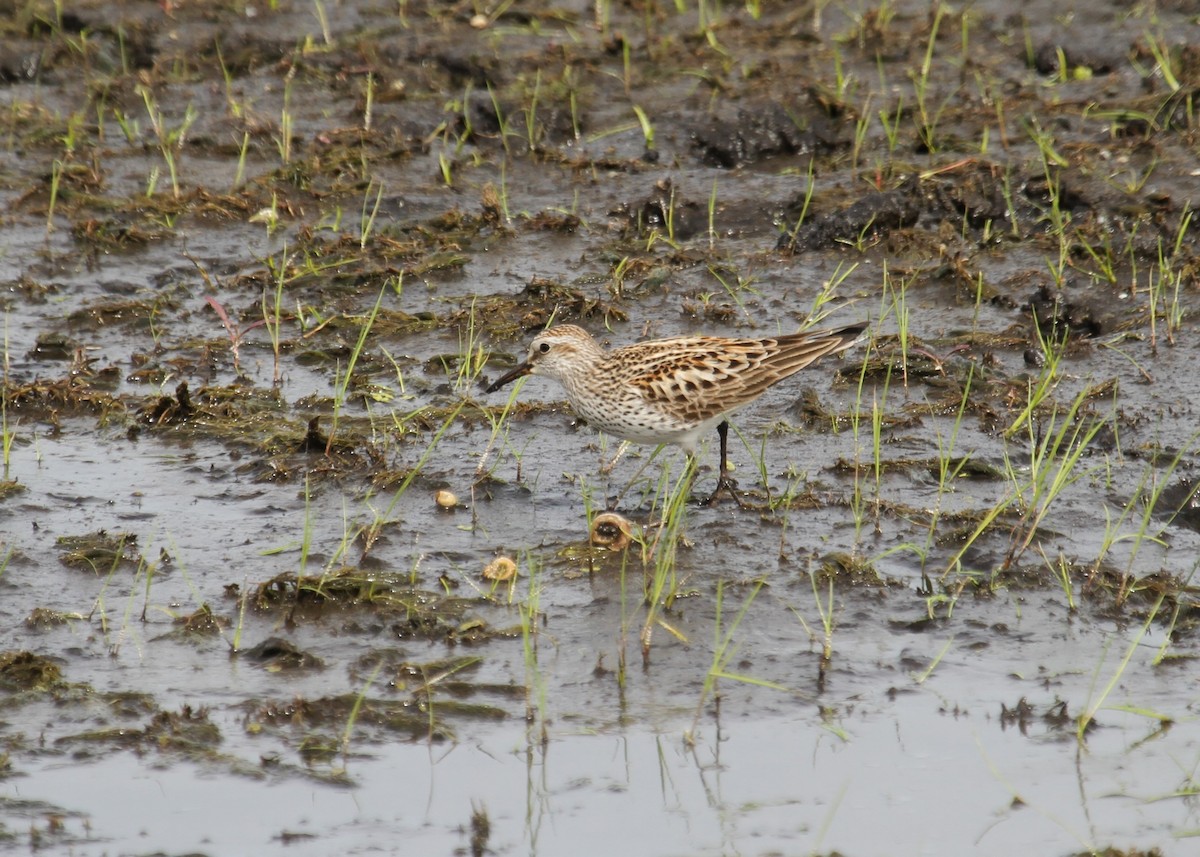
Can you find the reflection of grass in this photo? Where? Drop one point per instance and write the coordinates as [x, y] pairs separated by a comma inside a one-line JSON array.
[[352, 717], [923, 676], [626, 621], [1150, 501], [724, 650], [1096, 702], [529, 611]]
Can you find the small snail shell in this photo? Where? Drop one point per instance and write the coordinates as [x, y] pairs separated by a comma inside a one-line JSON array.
[[501, 568], [612, 531]]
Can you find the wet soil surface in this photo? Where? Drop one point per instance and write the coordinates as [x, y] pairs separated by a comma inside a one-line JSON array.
[[276, 574]]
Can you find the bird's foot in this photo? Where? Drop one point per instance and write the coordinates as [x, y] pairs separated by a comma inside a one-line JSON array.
[[728, 485]]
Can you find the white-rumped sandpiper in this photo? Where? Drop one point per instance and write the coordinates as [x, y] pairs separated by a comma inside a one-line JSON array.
[[672, 390]]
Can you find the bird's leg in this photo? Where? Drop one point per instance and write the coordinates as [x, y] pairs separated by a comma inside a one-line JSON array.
[[725, 482]]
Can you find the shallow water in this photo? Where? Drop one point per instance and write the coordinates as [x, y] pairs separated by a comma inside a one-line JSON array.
[[945, 720], [907, 730]]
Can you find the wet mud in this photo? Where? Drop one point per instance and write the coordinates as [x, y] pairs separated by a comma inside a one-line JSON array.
[[277, 573]]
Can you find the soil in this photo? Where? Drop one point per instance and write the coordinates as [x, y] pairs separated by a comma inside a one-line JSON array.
[[278, 574]]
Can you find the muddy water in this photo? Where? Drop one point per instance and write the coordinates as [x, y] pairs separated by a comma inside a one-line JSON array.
[[947, 622]]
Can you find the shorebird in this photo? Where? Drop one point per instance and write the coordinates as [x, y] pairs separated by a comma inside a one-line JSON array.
[[675, 390]]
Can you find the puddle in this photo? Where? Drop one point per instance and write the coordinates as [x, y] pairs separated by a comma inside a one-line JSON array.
[[763, 776]]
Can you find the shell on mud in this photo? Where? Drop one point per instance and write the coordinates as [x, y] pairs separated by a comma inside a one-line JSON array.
[[446, 499], [612, 531], [501, 568]]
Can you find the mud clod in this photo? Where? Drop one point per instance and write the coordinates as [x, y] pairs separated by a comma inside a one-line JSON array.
[[27, 671], [865, 220]]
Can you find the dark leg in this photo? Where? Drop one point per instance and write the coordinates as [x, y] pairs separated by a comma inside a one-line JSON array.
[[725, 482]]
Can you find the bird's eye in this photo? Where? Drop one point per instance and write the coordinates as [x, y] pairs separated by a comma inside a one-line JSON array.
[[544, 347]]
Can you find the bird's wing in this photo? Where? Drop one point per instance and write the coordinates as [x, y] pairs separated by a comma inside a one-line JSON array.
[[698, 377], [702, 377]]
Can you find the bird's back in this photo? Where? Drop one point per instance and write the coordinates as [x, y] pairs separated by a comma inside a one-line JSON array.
[[699, 378]]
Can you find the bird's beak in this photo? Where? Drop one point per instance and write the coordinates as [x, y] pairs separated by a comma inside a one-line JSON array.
[[516, 372]]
